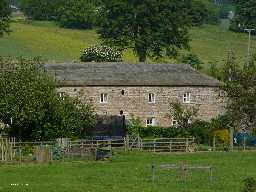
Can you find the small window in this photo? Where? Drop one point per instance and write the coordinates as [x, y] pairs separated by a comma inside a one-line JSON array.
[[151, 98], [222, 93], [174, 122], [104, 98], [151, 121], [187, 97], [122, 92], [61, 94]]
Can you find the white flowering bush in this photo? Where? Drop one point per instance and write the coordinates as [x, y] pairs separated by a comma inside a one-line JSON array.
[[101, 53]]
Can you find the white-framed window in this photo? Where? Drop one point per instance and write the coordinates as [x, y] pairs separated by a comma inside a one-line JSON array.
[[174, 122], [222, 93], [151, 121], [103, 98], [62, 95], [151, 98], [187, 97]]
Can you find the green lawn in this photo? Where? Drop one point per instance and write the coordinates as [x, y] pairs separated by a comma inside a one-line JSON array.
[[130, 172], [46, 39]]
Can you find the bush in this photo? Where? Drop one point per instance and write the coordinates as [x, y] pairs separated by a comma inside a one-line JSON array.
[[163, 132], [222, 136], [249, 185], [193, 60], [201, 131], [101, 54]]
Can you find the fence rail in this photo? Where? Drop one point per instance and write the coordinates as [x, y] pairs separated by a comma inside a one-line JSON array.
[[45, 151]]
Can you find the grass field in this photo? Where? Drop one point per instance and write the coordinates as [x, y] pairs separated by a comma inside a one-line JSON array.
[[46, 39], [130, 172]]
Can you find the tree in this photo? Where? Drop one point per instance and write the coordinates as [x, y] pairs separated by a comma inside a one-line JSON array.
[[203, 11], [231, 68], [41, 9], [77, 14], [184, 115], [240, 87], [31, 106], [5, 13], [193, 60], [245, 15], [150, 27]]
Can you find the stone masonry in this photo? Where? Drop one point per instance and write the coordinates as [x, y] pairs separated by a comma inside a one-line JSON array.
[[133, 100]]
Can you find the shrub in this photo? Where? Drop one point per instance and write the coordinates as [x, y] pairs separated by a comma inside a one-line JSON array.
[[193, 60], [201, 131], [164, 132], [101, 54], [134, 126], [222, 136], [249, 185]]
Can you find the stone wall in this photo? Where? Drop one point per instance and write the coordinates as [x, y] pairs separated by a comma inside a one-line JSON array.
[[135, 101]]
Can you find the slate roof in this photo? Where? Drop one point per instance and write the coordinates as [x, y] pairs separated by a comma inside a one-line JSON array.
[[121, 74]]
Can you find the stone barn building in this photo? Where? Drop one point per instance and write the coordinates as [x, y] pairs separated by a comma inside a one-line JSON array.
[[142, 90]]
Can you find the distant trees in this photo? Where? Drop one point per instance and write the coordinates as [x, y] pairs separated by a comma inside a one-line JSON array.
[[203, 11], [31, 106], [151, 28], [77, 14], [69, 13], [41, 9], [193, 60], [245, 16], [5, 13]]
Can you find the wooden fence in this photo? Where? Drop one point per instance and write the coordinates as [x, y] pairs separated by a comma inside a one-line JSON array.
[[87, 148], [7, 151], [129, 144], [183, 170]]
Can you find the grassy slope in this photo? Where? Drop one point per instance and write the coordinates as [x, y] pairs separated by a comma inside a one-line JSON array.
[[45, 39], [131, 173]]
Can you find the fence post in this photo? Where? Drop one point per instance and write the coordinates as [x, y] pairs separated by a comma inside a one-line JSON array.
[[186, 144], [244, 147], [154, 145], [153, 173], [231, 138], [211, 174], [214, 143], [110, 144], [170, 146], [20, 153]]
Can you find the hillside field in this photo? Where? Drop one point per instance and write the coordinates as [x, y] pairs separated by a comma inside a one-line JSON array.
[[130, 172], [47, 40]]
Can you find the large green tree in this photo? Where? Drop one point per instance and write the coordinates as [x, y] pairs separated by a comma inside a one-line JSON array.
[[150, 27], [240, 86], [31, 106], [5, 13]]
